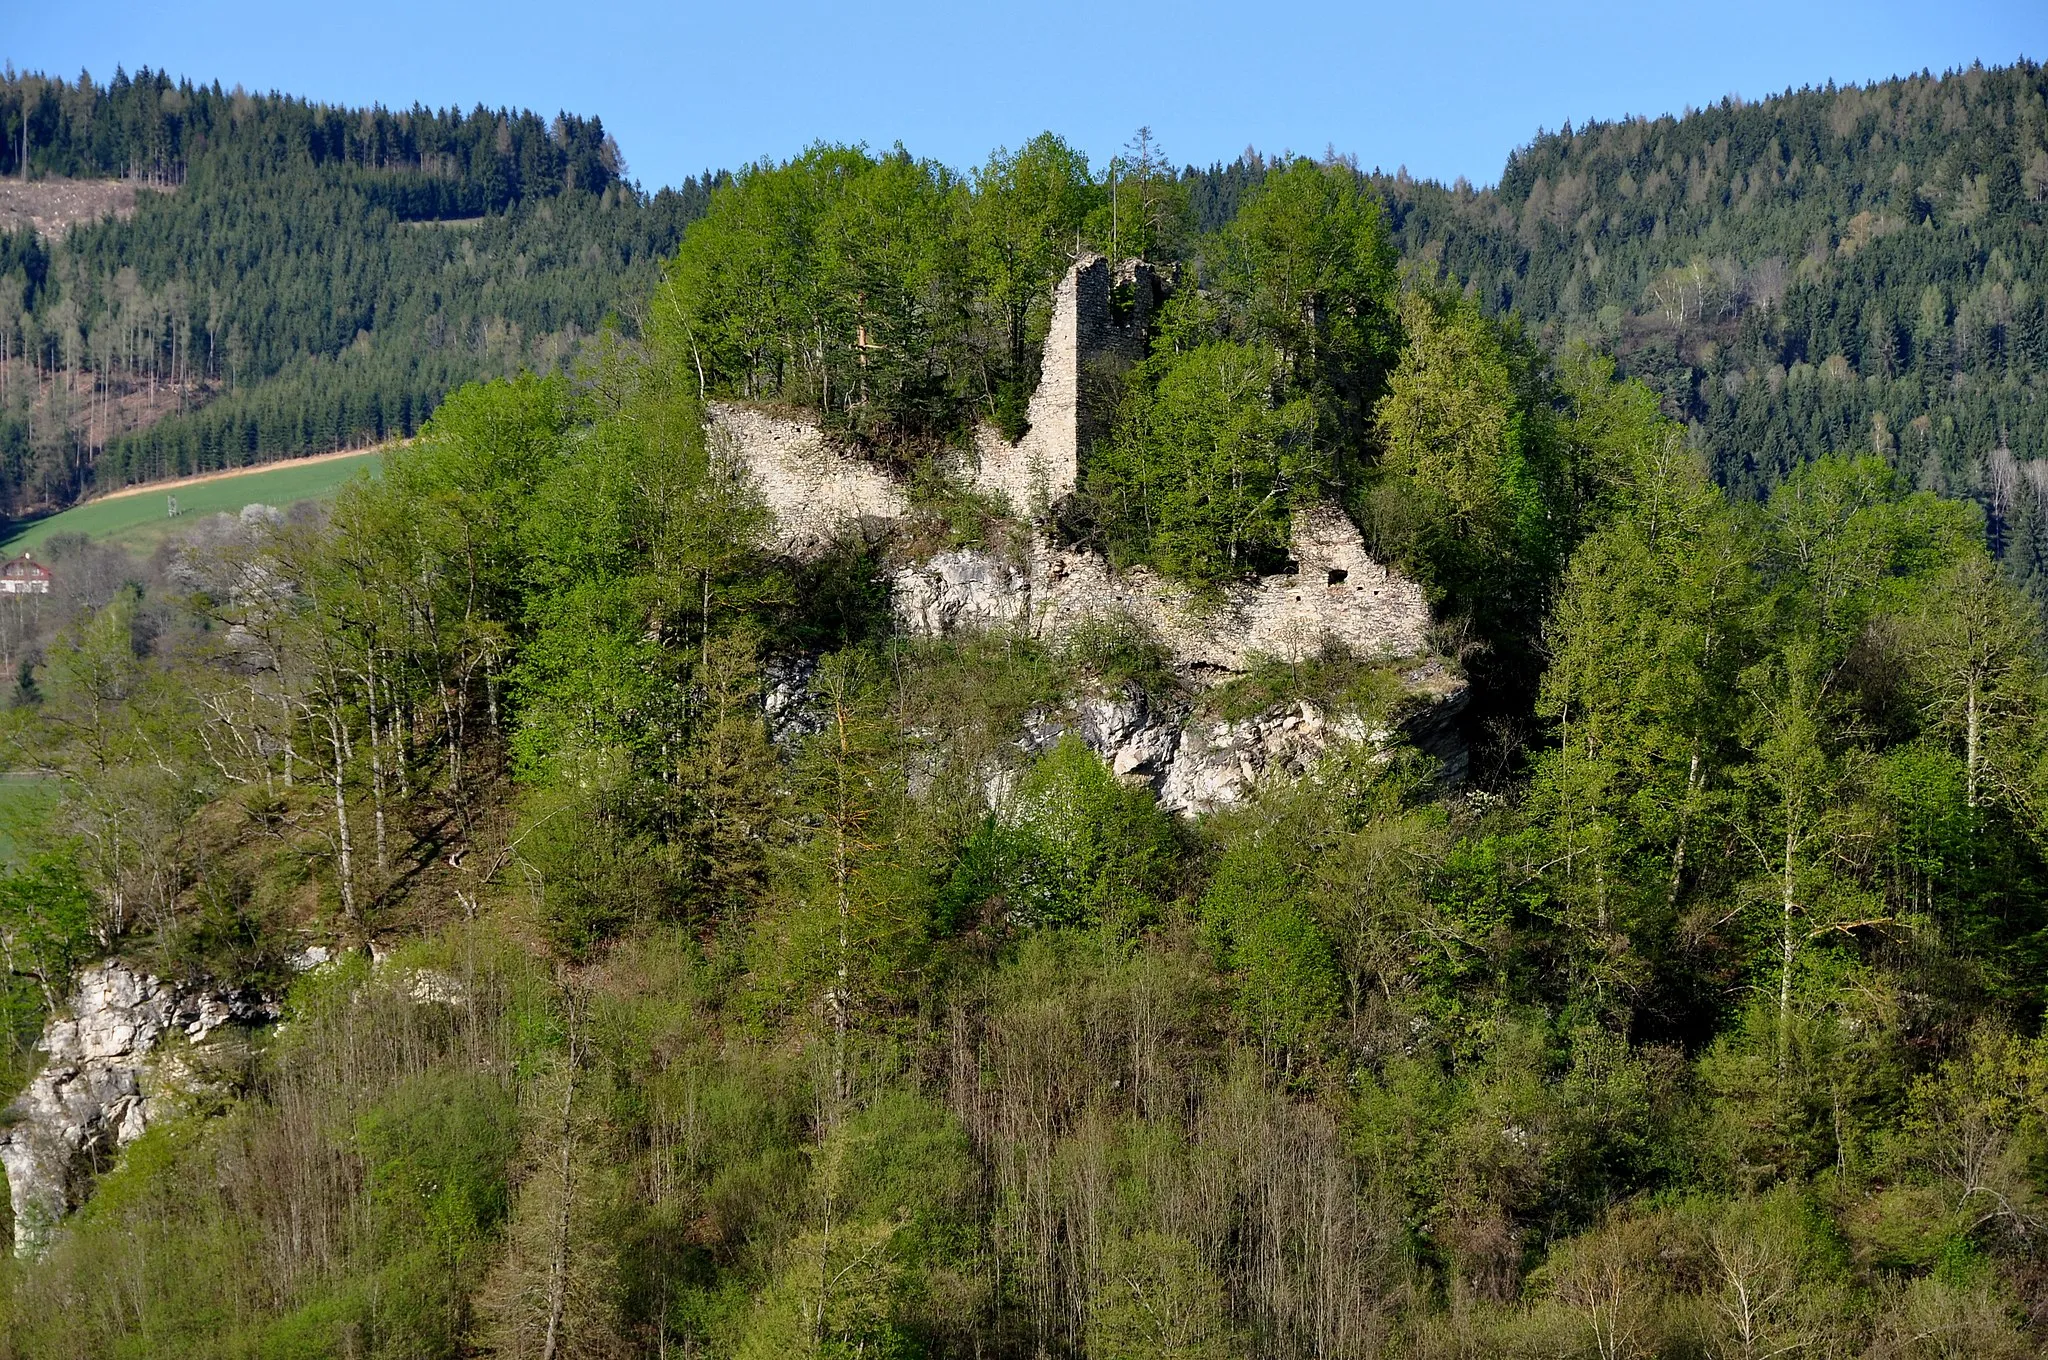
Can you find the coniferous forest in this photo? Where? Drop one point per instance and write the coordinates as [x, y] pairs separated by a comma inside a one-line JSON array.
[[295, 278], [633, 940], [1851, 270]]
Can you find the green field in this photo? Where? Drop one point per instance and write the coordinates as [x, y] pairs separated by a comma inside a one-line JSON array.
[[139, 522]]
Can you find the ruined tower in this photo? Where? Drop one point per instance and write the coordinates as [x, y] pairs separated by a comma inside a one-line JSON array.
[[1100, 320]]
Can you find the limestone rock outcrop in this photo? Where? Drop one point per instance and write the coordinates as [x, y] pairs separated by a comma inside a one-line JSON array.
[[958, 591], [1199, 763], [1218, 764], [102, 1084], [792, 709]]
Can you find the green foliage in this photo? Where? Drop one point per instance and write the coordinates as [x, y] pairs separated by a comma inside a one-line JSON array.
[[1203, 471], [836, 281], [437, 1155], [332, 1215], [1118, 651], [1308, 266], [46, 921], [1158, 1301], [228, 933], [1706, 1024], [1471, 460], [1071, 847], [1257, 395], [593, 869], [146, 127], [1286, 968], [47, 916], [1027, 207]]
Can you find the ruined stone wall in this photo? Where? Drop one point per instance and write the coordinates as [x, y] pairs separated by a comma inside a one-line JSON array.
[[1336, 593], [817, 489], [814, 489], [1087, 350], [1034, 473]]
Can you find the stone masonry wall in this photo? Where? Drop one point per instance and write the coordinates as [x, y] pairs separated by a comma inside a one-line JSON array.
[[1336, 593], [1036, 471], [1086, 352], [815, 489]]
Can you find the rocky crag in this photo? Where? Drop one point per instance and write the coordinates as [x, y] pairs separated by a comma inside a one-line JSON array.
[[1331, 595], [130, 1050], [107, 1077], [1199, 762]]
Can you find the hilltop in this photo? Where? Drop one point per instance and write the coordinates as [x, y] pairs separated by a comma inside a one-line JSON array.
[[1055, 761], [1020, 777]]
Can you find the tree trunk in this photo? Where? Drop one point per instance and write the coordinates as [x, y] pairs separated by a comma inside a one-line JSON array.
[[1970, 740], [377, 772], [558, 1261], [1788, 945], [1692, 783], [344, 846]]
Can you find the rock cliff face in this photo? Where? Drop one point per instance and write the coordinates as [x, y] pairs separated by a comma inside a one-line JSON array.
[[101, 1085], [1198, 764]]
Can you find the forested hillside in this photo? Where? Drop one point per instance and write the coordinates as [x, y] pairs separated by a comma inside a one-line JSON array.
[[1826, 271], [295, 277], [1822, 271], [678, 954]]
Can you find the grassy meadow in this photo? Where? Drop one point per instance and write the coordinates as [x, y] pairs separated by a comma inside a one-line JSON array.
[[138, 520]]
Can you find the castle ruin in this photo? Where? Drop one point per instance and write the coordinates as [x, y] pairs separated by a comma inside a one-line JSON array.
[[1087, 349], [1333, 591]]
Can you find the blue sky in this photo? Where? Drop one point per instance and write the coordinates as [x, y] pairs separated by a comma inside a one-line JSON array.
[[1445, 89]]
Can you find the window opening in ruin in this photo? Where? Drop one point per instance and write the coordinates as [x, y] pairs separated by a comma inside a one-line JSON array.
[[1291, 569], [1337, 575]]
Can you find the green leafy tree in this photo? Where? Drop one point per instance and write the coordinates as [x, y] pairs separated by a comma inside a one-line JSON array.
[[1024, 221], [47, 916], [1289, 985], [1141, 207], [1309, 264], [1469, 461], [1204, 468], [1071, 847], [1653, 622]]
